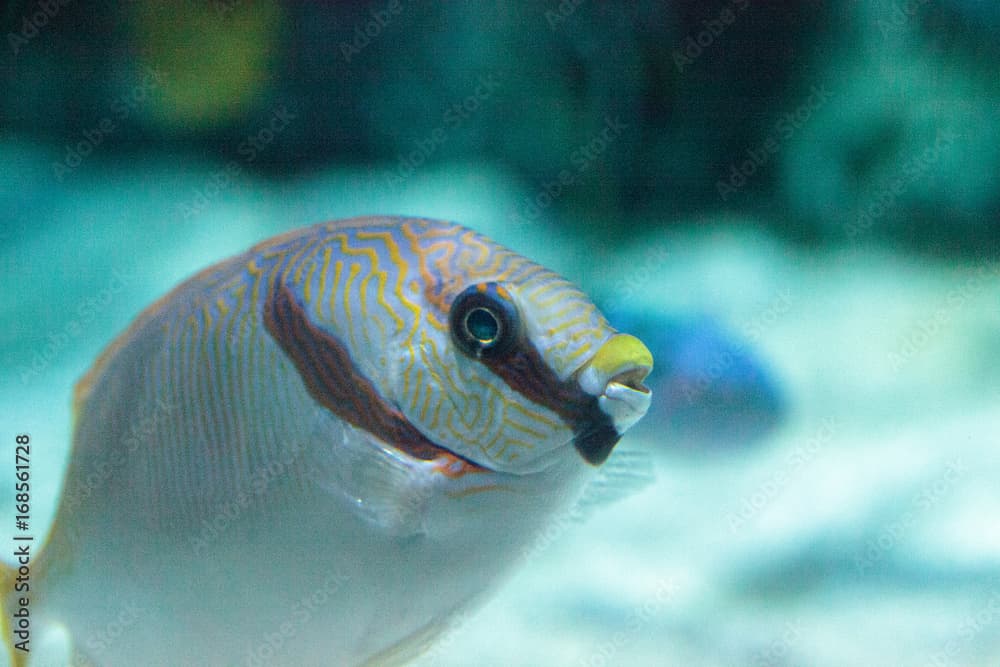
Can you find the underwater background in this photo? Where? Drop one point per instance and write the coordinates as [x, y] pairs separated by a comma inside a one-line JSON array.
[[795, 205]]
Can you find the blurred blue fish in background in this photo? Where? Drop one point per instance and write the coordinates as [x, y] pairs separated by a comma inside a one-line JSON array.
[[793, 204], [712, 391]]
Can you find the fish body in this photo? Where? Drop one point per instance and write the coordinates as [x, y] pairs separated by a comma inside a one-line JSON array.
[[319, 451]]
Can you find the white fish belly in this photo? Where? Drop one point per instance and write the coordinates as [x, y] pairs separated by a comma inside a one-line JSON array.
[[199, 525]]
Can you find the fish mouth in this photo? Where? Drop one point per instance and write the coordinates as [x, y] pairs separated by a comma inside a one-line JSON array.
[[614, 377]]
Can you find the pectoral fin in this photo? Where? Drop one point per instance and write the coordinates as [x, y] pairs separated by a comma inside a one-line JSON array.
[[626, 473], [384, 487]]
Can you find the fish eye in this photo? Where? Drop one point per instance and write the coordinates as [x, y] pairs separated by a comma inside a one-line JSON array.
[[484, 321], [482, 325]]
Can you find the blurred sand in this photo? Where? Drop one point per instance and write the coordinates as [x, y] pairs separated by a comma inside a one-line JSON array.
[[862, 532]]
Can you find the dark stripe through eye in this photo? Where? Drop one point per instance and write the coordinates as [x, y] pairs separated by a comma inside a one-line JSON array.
[[335, 382], [524, 371], [486, 325]]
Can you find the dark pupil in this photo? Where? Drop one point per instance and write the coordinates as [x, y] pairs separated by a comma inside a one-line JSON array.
[[482, 325]]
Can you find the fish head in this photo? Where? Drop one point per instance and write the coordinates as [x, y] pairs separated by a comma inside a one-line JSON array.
[[511, 367]]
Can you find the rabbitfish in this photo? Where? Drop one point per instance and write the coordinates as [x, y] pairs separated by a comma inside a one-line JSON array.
[[321, 450]]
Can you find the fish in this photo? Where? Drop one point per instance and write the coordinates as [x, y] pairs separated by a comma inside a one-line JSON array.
[[323, 450]]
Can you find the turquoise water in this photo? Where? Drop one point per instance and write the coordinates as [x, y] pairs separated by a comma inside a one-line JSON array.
[[795, 206], [865, 513]]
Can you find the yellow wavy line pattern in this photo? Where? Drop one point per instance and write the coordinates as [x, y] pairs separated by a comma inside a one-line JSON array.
[[389, 293], [383, 287]]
